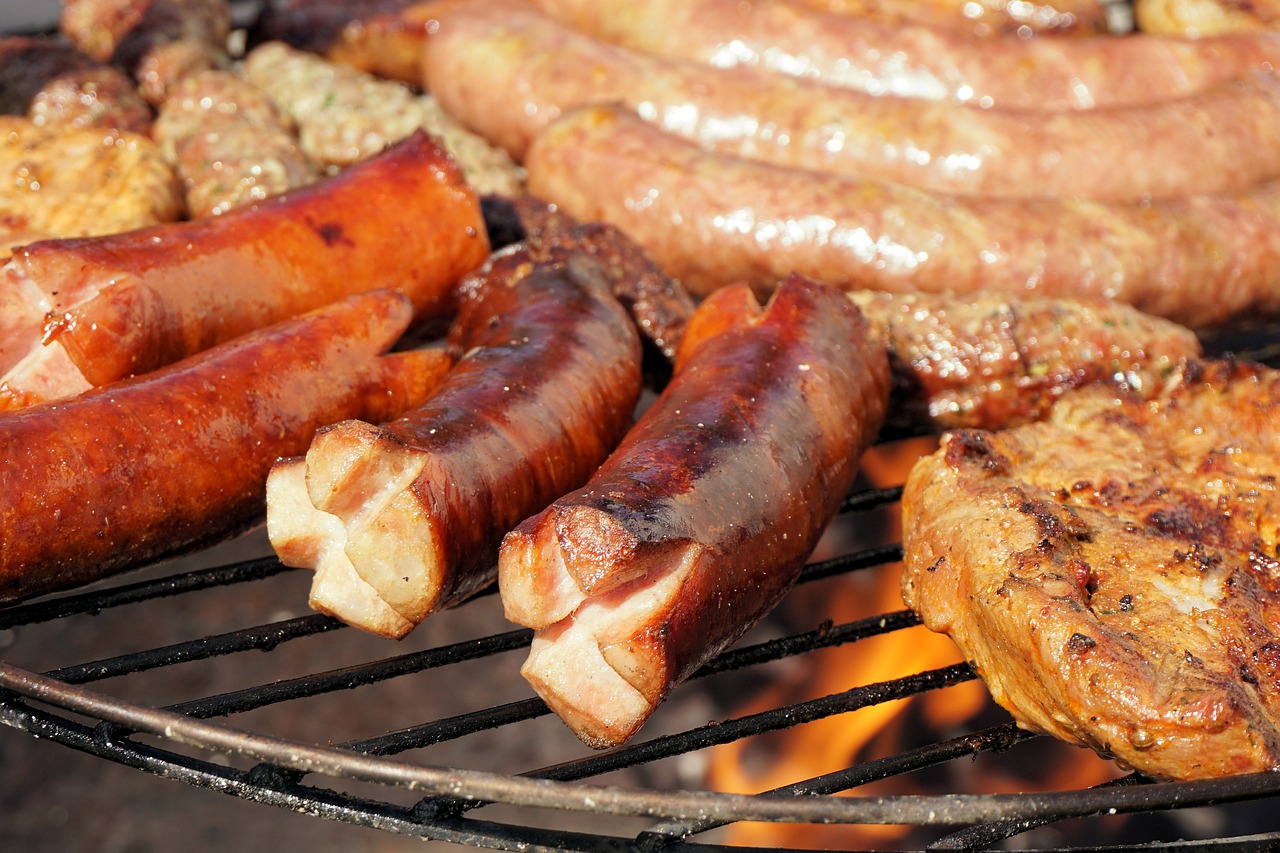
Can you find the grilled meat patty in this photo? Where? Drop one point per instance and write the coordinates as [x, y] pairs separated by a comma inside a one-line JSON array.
[[993, 360], [1112, 572]]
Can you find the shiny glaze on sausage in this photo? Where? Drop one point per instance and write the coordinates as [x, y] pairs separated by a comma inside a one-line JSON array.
[[176, 459], [710, 219], [911, 60], [507, 69], [702, 518], [128, 303], [402, 519]]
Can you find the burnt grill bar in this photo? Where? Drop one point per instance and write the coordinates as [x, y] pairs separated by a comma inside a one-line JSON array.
[[308, 777], [448, 813]]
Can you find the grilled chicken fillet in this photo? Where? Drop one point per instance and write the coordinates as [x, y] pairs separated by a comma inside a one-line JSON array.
[[1112, 571]]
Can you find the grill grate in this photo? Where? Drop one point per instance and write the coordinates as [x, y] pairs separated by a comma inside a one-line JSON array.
[[367, 780]]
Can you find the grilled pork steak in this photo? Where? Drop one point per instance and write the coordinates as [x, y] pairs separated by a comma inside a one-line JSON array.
[[1112, 571]]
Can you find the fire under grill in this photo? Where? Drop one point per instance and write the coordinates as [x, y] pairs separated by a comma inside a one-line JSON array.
[[438, 737]]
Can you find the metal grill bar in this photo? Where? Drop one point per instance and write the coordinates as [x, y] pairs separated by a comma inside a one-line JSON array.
[[282, 766]]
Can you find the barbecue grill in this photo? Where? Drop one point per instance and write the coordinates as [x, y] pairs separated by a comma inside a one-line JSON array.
[[260, 710], [465, 761]]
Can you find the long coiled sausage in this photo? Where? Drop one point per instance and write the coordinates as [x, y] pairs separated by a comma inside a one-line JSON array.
[[506, 69], [702, 518], [709, 219], [403, 519], [916, 61], [121, 475]]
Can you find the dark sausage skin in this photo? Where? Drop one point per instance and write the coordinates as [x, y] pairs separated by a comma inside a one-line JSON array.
[[702, 518], [915, 61], [1202, 261], [54, 84], [127, 303], [122, 475], [413, 511], [506, 70], [157, 41]]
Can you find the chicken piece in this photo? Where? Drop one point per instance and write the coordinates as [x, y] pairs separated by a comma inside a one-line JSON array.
[[74, 182]]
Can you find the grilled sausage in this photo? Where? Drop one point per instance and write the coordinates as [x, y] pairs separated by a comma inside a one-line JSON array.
[[1199, 261], [157, 41], [228, 143], [128, 303], [122, 475], [506, 69], [982, 18], [381, 37], [403, 519], [702, 518], [56, 85], [924, 62]]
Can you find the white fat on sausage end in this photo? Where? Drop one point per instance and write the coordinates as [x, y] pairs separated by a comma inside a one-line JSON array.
[[603, 669], [308, 538], [535, 587], [366, 478]]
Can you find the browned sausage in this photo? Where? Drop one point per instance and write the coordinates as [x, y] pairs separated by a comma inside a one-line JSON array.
[[403, 519], [506, 69], [981, 18], [702, 518], [127, 303], [710, 219], [925, 62], [382, 37], [157, 41], [121, 475], [56, 85]]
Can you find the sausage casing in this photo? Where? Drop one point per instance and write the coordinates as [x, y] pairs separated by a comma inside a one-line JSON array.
[[911, 60], [1201, 261], [701, 519], [402, 519], [127, 303], [121, 475], [506, 70]]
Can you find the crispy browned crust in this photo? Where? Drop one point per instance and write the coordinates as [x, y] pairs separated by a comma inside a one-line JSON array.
[[126, 303], [712, 219], [120, 476], [382, 37], [1112, 572], [990, 361], [402, 519], [700, 521]]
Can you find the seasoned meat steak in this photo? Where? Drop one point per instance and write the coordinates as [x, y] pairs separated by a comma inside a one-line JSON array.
[[1112, 572]]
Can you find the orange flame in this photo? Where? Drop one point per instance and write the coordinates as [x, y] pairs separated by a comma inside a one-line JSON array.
[[833, 743]]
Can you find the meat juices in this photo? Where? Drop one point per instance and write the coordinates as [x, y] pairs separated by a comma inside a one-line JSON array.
[[910, 60], [404, 519], [746, 221], [127, 303], [1111, 572], [702, 518], [177, 459], [506, 70]]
